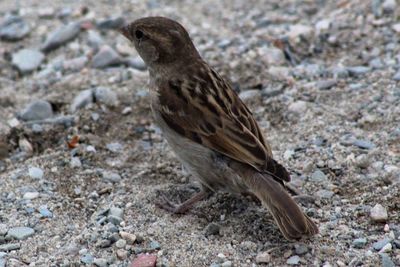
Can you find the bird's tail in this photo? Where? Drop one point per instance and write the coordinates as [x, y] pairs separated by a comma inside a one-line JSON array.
[[290, 219]]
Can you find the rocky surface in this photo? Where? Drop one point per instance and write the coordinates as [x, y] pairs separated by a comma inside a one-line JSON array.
[[82, 164]]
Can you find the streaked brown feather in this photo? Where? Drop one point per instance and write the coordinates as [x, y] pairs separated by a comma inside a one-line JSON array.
[[207, 110]]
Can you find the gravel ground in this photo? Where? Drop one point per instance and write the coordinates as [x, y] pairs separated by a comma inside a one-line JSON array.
[[81, 162]]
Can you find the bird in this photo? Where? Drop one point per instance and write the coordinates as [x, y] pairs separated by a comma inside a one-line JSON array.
[[211, 131]]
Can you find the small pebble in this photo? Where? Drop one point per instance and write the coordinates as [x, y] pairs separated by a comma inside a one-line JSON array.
[[120, 243], [364, 144], [358, 70], [326, 84], [318, 176], [111, 176], [130, 238], [14, 28], [359, 242], [300, 249], [378, 213], [83, 99], [35, 173], [100, 262], [106, 57], [293, 260], [87, 259], [61, 36], [122, 254], [144, 260], [378, 245], [212, 229], [45, 212], [106, 96], [263, 257], [386, 261], [27, 60], [20, 233], [226, 264], [155, 245], [37, 110], [31, 195], [75, 162], [10, 246], [386, 248]]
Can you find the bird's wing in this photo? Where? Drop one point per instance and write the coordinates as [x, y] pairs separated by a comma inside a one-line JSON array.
[[204, 108]]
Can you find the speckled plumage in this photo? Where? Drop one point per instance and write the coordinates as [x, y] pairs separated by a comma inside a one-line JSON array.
[[207, 125]]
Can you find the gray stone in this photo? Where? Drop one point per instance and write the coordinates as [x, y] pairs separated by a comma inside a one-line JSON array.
[[363, 161], [20, 232], [271, 91], [376, 63], [121, 243], [111, 176], [298, 107], [358, 70], [386, 260], [249, 95], [326, 84], [75, 162], [273, 56], [293, 260], [37, 110], [83, 99], [106, 96], [100, 262], [75, 64], [378, 245], [35, 173], [389, 6], [114, 147], [13, 28], [30, 195], [263, 257], [94, 39], [364, 144], [300, 249], [27, 60], [111, 23], [386, 248], [378, 213], [226, 264], [396, 77], [212, 229], [61, 36], [324, 193], [318, 176], [359, 242], [116, 212], [3, 229], [136, 63], [106, 57], [87, 259], [45, 213], [10, 246], [340, 72], [155, 245]]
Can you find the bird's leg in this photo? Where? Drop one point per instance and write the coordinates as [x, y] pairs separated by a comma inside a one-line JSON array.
[[168, 205]]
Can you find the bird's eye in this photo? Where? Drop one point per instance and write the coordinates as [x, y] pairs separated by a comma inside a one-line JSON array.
[[139, 34]]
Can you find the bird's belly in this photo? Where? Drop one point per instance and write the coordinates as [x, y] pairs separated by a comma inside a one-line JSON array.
[[210, 168]]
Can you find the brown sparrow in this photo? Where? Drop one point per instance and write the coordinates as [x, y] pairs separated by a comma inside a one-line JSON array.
[[210, 129]]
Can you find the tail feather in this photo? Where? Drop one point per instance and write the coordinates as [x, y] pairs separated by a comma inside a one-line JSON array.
[[290, 219]]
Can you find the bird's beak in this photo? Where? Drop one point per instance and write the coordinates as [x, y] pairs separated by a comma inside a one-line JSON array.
[[125, 31]]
